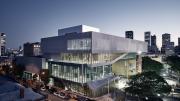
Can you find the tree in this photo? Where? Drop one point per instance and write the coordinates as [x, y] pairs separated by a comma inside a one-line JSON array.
[[19, 69], [151, 65], [148, 84], [174, 62]]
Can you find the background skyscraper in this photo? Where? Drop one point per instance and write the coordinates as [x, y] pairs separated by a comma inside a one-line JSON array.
[[166, 38], [177, 48], [167, 46], [153, 40], [147, 38], [165, 41], [3, 44], [169, 50], [153, 47], [129, 34]]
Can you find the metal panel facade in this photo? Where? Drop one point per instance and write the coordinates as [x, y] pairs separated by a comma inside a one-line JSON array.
[[101, 43], [58, 44], [109, 43]]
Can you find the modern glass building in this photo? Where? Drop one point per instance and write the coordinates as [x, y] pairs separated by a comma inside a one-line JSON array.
[[88, 62]]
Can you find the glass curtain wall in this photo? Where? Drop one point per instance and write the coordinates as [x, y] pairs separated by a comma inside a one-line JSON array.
[[88, 58], [74, 68], [79, 73], [84, 58], [79, 44]]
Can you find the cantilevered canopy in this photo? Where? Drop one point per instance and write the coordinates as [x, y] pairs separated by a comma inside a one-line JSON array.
[[95, 85]]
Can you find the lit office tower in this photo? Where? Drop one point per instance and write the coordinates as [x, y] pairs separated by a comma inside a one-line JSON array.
[[32, 49], [154, 48], [3, 44], [147, 38], [169, 50], [129, 34], [165, 41], [153, 40], [177, 48]]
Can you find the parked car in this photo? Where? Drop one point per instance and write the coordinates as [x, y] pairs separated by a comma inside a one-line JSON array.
[[62, 95], [56, 93], [43, 88], [52, 90], [67, 97], [151, 99], [80, 98]]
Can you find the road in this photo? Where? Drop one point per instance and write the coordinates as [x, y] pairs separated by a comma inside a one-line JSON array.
[[52, 97]]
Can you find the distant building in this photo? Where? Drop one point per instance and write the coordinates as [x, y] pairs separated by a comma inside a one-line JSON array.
[[153, 40], [31, 65], [147, 38], [3, 44], [167, 46], [177, 48], [32, 49], [169, 50], [129, 34], [165, 41], [153, 48], [166, 38], [12, 91]]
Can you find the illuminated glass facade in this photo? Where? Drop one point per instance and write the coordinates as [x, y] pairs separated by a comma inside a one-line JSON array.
[[79, 60], [88, 58], [76, 76], [80, 73], [79, 44], [75, 70]]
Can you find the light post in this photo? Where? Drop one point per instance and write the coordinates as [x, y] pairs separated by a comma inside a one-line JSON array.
[[172, 92], [108, 86]]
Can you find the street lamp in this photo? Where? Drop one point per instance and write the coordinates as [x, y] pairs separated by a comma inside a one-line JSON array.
[[172, 91], [108, 86], [11, 66], [139, 52]]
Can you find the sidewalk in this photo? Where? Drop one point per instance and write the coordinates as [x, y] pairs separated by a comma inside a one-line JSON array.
[[104, 98]]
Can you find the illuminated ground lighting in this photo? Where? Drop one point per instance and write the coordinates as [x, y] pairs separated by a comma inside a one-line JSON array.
[[139, 52], [122, 83], [158, 95], [171, 82]]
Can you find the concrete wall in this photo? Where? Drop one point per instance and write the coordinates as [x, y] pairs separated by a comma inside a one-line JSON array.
[[32, 64]]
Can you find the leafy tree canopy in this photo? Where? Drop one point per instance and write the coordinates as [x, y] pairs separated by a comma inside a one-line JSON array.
[[147, 84], [174, 62], [151, 65]]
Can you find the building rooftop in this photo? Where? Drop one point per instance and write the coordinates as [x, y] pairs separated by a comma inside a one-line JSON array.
[[10, 90], [77, 29]]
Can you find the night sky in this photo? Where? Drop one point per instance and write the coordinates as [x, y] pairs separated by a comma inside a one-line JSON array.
[[29, 20]]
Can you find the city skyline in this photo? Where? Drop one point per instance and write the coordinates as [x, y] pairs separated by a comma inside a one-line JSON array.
[[28, 21], [89, 50]]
